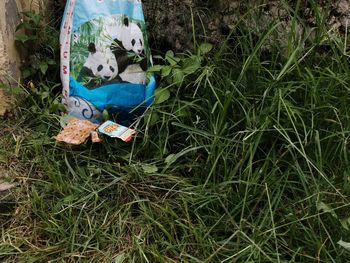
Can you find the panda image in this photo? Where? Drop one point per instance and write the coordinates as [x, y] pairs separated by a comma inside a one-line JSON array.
[[128, 49], [100, 68], [131, 37]]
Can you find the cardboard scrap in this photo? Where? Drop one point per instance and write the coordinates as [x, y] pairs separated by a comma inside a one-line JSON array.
[[94, 137], [77, 132]]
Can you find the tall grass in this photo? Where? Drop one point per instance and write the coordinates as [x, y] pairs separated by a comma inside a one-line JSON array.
[[248, 161]]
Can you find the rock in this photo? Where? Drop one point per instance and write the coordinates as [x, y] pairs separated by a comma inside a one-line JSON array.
[[5, 103], [343, 7], [4, 186]]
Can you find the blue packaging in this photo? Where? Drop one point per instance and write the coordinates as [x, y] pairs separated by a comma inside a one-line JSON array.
[[104, 58]]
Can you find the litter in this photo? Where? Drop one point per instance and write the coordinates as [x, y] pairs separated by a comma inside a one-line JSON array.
[[115, 130], [77, 132], [104, 59]]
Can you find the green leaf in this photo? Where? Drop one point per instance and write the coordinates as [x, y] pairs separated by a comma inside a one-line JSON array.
[[170, 57], [205, 48], [172, 61], [105, 115], [191, 65], [169, 54], [178, 77], [43, 67], [166, 70], [17, 90], [161, 95], [22, 38], [51, 62], [44, 95], [24, 25], [149, 168], [151, 118], [120, 258], [158, 57], [343, 244], [170, 159], [326, 208], [345, 223], [155, 68], [26, 73], [33, 16]]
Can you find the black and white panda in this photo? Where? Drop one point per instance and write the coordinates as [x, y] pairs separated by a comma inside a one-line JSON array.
[[128, 48], [100, 68]]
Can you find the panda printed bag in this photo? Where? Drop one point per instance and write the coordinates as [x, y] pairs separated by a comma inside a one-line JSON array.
[[104, 59]]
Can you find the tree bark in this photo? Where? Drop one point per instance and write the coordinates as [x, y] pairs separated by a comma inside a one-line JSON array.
[[9, 19]]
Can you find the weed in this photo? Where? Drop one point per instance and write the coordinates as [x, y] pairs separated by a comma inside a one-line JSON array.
[[37, 40]]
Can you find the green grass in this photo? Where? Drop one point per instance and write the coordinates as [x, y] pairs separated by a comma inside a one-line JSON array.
[[248, 161]]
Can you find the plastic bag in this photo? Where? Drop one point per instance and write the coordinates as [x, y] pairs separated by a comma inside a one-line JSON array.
[[104, 59]]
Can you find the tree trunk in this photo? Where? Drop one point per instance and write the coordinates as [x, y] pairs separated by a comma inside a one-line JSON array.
[[9, 57], [9, 19]]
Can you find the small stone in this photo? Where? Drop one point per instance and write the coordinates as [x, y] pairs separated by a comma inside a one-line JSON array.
[[6, 186], [5, 104], [343, 6]]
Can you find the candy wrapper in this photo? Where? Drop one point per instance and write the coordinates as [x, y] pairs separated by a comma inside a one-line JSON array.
[[115, 130]]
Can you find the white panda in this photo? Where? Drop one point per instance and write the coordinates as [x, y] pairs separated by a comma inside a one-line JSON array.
[[131, 37], [100, 67], [128, 34], [128, 48]]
